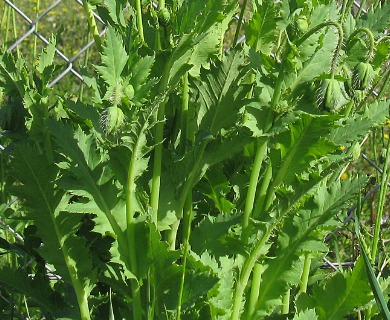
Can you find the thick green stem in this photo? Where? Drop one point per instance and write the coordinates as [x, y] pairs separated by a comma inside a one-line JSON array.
[[184, 134], [246, 272], [186, 240], [158, 150], [262, 195], [239, 22], [381, 204], [305, 273], [255, 289], [140, 26], [286, 302], [92, 24], [254, 178], [82, 300], [34, 56], [158, 142], [362, 4], [131, 242]]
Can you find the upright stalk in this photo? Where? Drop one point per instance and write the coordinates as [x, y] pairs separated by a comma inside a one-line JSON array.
[[187, 208], [131, 241], [186, 240], [246, 271], [250, 198], [286, 302], [239, 22], [92, 24], [381, 204], [361, 7], [305, 273], [140, 26], [255, 289], [35, 38]]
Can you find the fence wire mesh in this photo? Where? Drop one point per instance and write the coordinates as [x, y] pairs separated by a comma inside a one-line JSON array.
[[70, 70]]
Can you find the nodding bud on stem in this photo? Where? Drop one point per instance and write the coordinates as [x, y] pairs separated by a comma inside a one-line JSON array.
[[302, 24], [164, 16], [330, 95], [112, 119], [128, 94], [363, 74]]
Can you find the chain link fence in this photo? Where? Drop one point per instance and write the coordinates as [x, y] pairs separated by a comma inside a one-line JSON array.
[[70, 70]]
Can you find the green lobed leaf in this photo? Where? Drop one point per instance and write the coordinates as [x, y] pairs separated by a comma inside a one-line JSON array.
[[319, 62], [220, 94], [45, 204], [260, 32], [349, 291], [308, 314], [36, 288], [376, 20], [212, 234], [360, 123], [375, 287], [46, 58], [297, 148], [299, 235], [116, 10], [114, 58]]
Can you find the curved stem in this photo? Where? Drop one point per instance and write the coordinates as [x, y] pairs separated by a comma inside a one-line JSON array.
[[339, 43], [371, 48], [385, 77]]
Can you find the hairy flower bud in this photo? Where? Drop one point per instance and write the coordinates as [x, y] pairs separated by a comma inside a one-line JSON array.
[[330, 95], [112, 119], [363, 74], [128, 95], [302, 24], [164, 16]]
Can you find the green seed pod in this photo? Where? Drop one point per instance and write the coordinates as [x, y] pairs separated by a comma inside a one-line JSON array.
[[164, 17], [302, 24], [129, 91], [112, 119], [363, 74], [330, 95], [115, 97], [128, 95]]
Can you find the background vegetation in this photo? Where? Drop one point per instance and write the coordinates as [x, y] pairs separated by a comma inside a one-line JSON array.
[[219, 193]]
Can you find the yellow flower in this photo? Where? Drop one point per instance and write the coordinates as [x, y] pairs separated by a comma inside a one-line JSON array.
[[388, 122], [344, 176], [386, 136], [342, 148]]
